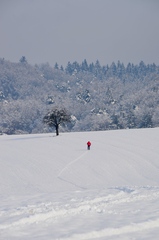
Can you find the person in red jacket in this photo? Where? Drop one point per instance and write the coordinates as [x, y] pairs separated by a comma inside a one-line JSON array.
[[88, 145]]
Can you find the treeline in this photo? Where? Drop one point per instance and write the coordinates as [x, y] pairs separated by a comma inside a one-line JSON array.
[[118, 70], [98, 97]]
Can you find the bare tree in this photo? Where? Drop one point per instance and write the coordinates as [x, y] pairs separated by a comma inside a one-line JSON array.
[[56, 117]]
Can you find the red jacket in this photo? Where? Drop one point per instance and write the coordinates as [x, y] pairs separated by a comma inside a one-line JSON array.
[[89, 143]]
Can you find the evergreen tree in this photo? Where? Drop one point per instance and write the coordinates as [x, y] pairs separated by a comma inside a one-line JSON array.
[[84, 65], [23, 59], [69, 68], [56, 66], [61, 68], [91, 67], [112, 70]]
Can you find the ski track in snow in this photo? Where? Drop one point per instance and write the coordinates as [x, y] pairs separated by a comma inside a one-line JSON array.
[[67, 167], [70, 163]]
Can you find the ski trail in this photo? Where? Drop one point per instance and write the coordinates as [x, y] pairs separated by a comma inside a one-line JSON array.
[[66, 167], [74, 184], [69, 164]]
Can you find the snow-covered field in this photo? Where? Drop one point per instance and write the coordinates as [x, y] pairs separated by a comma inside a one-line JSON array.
[[54, 188]]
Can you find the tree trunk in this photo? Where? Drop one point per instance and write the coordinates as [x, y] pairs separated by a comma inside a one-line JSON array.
[[57, 130]]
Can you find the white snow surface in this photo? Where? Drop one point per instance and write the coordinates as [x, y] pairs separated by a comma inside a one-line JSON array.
[[54, 188]]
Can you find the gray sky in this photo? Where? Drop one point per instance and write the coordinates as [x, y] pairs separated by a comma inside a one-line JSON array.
[[74, 30]]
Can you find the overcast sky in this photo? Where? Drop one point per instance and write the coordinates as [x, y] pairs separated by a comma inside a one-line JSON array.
[[73, 30]]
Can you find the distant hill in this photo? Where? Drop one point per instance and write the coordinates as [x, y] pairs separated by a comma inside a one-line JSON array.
[[98, 97]]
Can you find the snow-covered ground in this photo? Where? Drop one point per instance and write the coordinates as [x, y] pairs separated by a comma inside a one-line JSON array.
[[54, 188]]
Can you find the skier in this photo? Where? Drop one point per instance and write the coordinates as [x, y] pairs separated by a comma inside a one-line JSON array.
[[88, 145]]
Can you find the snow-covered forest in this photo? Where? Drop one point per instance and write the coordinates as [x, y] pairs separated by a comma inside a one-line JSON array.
[[98, 97]]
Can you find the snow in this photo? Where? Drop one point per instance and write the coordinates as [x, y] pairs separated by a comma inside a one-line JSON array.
[[54, 188]]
